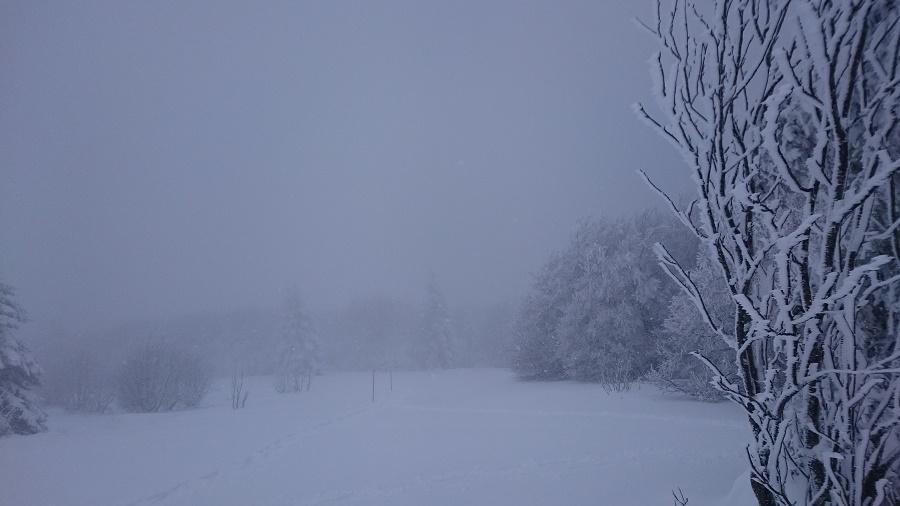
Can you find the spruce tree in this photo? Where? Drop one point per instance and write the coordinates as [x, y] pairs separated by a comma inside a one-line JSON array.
[[435, 347], [19, 374], [299, 354]]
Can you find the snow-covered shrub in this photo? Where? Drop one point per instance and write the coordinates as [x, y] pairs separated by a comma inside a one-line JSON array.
[[78, 381], [617, 369], [161, 377], [291, 375], [19, 374], [239, 392], [193, 380]]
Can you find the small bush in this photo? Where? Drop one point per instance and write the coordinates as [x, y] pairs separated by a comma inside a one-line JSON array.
[[292, 379], [80, 382], [617, 376], [239, 393], [162, 378]]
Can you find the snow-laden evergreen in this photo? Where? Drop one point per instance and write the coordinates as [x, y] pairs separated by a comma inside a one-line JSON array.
[[19, 374], [434, 345], [299, 353]]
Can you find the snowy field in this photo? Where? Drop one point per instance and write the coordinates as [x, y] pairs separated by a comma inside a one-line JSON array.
[[459, 437]]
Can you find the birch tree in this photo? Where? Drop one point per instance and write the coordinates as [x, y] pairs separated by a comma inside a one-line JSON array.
[[786, 113]]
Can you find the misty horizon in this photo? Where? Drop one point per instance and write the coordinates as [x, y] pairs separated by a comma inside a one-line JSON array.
[[170, 160], [412, 252]]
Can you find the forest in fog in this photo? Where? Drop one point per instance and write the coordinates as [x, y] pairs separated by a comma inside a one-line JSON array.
[[606, 277], [411, 252]]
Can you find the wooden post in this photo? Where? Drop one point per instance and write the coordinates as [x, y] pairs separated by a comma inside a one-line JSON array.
[[373, 385], [391, 375]]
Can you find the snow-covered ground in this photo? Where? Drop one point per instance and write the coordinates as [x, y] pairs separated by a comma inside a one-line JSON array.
[[461, 437]]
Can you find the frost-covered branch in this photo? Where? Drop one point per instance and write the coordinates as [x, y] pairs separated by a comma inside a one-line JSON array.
[[786, 113]]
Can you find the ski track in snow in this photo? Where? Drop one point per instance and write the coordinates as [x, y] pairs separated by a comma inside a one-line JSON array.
[[548, 467], [555, 468], [692, 421], [267, 451], [455, 437]]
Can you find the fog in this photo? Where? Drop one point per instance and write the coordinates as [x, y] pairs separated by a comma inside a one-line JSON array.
[[162, 159], [405, 252]]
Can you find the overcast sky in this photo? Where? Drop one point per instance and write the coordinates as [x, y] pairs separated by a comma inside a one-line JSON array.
[[162, 158]]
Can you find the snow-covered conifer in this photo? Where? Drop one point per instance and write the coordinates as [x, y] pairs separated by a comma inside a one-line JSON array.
[[434, 345], [299, 353], [19, 374]]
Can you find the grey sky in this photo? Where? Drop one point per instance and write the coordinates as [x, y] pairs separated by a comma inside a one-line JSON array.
[[161, 158]]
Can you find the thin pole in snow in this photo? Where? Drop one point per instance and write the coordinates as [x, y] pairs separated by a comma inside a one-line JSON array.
[[373, 385], [391, 375]]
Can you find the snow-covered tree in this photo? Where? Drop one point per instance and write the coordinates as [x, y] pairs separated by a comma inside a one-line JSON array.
[[786, 113], [434, 346], [602, 333], [299, 353], [19, 374], [536, 349], [594, 307], [684, 332]]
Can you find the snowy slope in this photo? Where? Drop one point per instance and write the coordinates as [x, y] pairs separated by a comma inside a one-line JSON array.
[[449, 438]]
